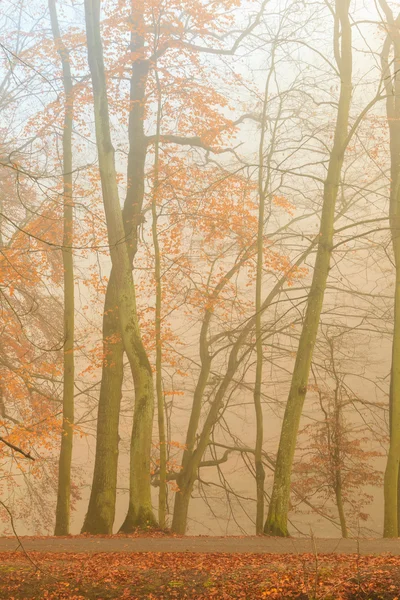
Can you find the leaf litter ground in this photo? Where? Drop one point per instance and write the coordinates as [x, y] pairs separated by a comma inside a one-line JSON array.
[[161, 576]]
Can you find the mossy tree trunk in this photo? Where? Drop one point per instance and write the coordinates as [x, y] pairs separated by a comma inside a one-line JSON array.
[[276, 523], [140, 509], [101, 511], [63, 507]]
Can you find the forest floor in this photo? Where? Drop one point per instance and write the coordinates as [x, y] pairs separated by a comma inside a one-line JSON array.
[[201, 568]]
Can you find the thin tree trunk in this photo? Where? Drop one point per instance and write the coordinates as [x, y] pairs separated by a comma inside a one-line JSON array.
[[63, 507], [260, 473], [276, 523], [263, 188], [337, 463], [101, 510], [335, 444], [162, 494], [140, 509], [339, 504], [392, 87]]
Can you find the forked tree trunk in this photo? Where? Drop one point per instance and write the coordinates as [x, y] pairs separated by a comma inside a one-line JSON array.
[[63, 507], [140, 509], [101, 511], [276, 523]]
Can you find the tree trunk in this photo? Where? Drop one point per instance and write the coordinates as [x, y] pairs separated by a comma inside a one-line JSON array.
[[337, 457], [101, 510], [339, 504], [140, 509], [162, 494], [63, 508], [263, 189], [260, 473], [391, 479], [181, 508], [276, 523], [392, 88]]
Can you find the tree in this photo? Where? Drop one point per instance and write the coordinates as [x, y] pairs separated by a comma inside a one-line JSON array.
[[392, 86], [101, 510], [140, 510], [64, 475], [335, 464], [276, 523]]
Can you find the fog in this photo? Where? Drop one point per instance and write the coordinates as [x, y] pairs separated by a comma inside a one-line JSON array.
[[200, 267]]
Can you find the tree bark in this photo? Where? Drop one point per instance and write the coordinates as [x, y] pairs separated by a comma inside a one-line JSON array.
[[140, 509], [63, 507], [101, 511], [162, 439], [339, 504], [263, 190], [276, 523], [392, 87]]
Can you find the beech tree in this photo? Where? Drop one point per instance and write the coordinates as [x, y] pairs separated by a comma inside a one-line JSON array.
[[276, 523], [140, 509], [392, 87], [64, 475]]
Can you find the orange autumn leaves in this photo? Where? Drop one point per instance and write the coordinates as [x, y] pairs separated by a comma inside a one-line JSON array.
[[207, 214], [184, 576], [30, 368]]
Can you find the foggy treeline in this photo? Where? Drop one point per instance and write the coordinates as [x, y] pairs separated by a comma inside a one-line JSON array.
[[200, 265]]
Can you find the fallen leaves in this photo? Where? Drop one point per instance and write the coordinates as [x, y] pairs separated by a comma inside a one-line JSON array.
[[170, 576]]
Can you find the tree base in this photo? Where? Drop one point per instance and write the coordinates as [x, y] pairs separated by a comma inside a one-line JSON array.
[[61, 530], [274, 529], [95, 525], [143, 519]]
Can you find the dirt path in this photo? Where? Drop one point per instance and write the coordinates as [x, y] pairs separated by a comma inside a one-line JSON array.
[[256, 545]]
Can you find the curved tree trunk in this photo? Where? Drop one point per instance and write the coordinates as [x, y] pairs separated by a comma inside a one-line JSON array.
[[64, 470], [276, 523], [101, 511]]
